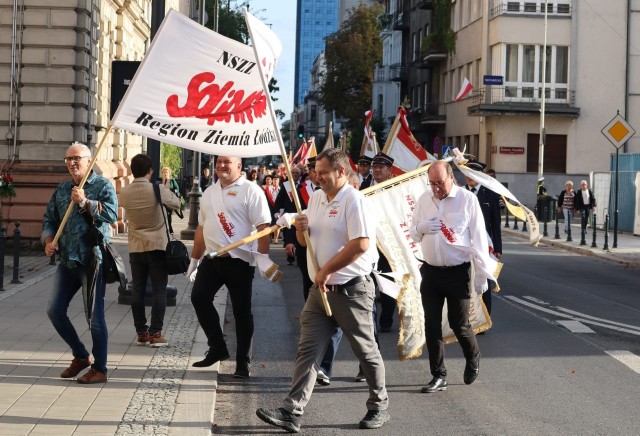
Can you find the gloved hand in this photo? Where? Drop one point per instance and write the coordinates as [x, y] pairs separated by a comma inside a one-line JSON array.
[[192, 270], [286, 219], [427, 227]]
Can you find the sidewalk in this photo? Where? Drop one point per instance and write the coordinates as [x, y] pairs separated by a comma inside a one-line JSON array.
[[150, 391], [627, 252]]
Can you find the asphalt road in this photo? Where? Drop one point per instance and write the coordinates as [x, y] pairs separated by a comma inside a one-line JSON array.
[[537, 376]]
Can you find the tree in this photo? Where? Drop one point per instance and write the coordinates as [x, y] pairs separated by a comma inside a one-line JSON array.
[[350, 56], [171, 156]]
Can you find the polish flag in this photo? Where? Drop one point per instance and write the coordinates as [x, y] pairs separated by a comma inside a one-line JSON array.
[[465, 89], [403, 147]]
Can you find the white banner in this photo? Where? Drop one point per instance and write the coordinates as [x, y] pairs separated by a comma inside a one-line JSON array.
[[395, 207], [200, 90]]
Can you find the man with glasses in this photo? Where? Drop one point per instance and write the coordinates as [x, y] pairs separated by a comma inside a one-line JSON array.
[[95, 204], [447, 222]]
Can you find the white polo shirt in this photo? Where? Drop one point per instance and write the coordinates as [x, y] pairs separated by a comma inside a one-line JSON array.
[[245, 202], [333, 224]]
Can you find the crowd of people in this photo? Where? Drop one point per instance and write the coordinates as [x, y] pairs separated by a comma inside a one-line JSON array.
[[338, 225]]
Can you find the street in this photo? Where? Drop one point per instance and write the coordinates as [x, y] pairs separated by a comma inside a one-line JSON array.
[[538, 374]]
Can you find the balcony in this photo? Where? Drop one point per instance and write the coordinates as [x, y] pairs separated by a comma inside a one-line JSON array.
[[397, 73], [561, 8], [381, 74], [400, 21], [432, 57], [433, 113], [425, 5], [512, 100]]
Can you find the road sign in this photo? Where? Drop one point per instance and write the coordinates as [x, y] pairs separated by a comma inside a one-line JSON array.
[[446, 149], [492, 80], [618, 131]]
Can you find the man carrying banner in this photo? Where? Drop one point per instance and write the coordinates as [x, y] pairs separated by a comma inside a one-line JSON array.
[[96, 202], [449, 226], [343, 237], [231, 209], [284, 199]]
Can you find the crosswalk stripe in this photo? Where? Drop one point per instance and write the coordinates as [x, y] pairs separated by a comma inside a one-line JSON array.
[[575, 326], [627, 358]]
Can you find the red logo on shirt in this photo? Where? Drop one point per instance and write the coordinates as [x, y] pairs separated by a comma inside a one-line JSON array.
[[226, 226], [333, 212], [448, 233]]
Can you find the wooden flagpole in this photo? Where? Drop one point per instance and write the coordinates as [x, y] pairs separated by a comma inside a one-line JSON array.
[[82, 182], [294, 191], [392, 134]]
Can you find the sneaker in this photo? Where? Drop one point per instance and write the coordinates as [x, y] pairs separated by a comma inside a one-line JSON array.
[[76, 366], [322, 378], [436, 384], [280, 418], [92, 376], [143, 338], [375, 419], [360, 377], [156, 340]]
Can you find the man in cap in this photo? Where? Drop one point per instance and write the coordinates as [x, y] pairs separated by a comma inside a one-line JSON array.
[[541, 190], [364, 171], [490, 205]]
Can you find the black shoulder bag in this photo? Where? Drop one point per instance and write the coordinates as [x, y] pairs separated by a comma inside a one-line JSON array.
[[113, 269], [176, 254]]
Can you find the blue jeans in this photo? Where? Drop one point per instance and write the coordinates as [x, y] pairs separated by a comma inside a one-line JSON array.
[[568, 216], [66, 284]]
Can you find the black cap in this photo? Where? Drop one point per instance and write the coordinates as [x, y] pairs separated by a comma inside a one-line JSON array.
[[383, 159], [474, 165], [311, 162], [364, 160]]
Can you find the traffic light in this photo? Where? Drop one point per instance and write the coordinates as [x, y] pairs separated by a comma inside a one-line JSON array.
[[301, 131]]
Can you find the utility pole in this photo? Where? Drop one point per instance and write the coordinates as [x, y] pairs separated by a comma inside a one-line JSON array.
[[153, 145], [543, 133]]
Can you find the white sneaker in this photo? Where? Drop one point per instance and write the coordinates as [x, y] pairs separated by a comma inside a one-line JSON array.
[[322, 378]]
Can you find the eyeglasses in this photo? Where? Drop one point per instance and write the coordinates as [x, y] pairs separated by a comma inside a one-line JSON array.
[[75, 159], [439, 184]]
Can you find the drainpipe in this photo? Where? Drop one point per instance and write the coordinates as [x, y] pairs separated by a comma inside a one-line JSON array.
[[626, 73]]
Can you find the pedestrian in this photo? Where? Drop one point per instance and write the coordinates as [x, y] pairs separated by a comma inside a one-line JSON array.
[[342, 233], [490, 206], [205, 178], [171, 184], [585, 203], [364, 171], [229, 211], [444, 213], [566, 204], [147, 242], [95, 206], [284, 200], [540, 189]]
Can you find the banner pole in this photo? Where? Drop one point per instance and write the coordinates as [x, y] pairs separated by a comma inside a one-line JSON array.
[[296, 200], [392, 134], [84, 179]]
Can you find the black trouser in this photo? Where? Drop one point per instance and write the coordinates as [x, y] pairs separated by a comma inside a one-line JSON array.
[[452, 284], [301, 260], [144, 265], [237, 275]]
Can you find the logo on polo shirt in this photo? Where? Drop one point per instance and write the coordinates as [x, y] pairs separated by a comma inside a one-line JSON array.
[[232, 193], [334, 212]]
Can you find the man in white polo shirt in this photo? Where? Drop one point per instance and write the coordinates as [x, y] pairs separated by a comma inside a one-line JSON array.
[[229, 210], [343, 240]]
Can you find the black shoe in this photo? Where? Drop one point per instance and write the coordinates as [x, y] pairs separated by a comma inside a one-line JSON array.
[[242, 370], [360, 377], [471, 370], [375, 419], [212, 357], [280, 418], [435, 385]]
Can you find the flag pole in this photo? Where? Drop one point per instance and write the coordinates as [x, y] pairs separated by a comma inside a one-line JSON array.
[[296, 200], [392, 133]]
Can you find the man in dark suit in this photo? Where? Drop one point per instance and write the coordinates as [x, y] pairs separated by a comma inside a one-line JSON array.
[[284, 200], [364, 171], [490, 205]]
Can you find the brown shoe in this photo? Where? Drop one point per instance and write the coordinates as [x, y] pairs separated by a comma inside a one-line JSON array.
[[92, 376], [157, 340], [76, 366], [143, 338]]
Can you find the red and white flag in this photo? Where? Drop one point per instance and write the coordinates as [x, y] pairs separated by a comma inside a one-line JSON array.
[[369, 145], [402, 146], [200, 90], [465, 89]]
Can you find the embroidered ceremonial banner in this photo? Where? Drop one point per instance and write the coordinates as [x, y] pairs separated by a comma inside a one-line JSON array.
[[394, 206], [200, 90], [369, 145]]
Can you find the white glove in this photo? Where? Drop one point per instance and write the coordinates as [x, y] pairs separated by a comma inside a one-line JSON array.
[[427, 227], [286, 219], [192, 270]]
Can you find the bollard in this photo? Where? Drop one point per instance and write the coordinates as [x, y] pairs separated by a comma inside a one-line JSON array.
[[3, 246], [545, 211], [557, 235], [569, 238], [16, 253], [506, 217], [515, 223], [606, 232], [593, 243], [524, 225], [583, 229]]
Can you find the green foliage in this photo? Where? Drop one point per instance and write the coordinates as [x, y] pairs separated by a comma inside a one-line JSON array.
[[378, 125], [350, 55], [171, 156], [442, 38]]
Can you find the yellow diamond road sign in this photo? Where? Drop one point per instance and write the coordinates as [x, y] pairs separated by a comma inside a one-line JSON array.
[[618, 131]]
